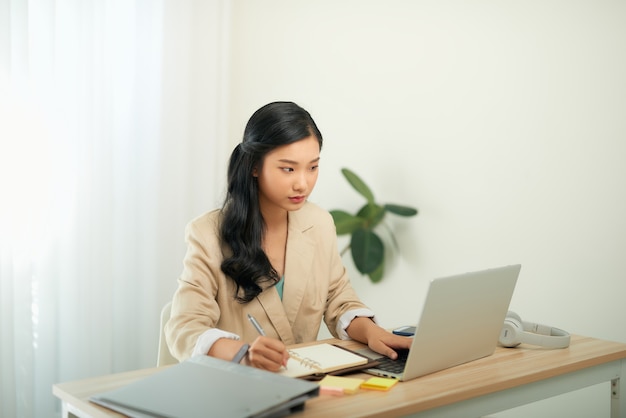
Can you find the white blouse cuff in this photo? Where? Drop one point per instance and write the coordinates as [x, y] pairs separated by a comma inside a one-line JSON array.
[[207, 339], [346, 319]]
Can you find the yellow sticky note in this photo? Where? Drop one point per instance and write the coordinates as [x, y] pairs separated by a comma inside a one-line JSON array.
[[379, 383], [348, 384]]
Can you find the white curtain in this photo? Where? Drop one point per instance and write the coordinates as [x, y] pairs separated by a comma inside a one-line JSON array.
[[111, 138]]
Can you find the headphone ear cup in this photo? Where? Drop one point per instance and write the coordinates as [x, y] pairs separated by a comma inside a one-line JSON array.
[[511, 334], [513, 315], [515, 332]]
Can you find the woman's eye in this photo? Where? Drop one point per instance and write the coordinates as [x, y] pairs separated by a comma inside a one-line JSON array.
[[287, 169]]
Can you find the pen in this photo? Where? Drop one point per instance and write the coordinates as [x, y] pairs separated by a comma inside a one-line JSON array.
[[256, 325]]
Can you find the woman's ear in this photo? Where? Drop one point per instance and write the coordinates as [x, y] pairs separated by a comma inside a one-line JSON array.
[[255, 172]]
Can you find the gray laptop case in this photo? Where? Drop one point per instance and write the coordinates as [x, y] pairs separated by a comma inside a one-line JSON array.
[[205, 386]]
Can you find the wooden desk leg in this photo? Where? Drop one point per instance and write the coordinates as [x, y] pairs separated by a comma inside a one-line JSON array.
[[618, 393], [618, 399], [68, 411]]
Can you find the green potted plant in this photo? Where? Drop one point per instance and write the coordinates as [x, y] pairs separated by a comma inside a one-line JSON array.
[[368, 249]]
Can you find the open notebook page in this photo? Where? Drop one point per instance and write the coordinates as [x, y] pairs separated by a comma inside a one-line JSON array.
[[320, 358]]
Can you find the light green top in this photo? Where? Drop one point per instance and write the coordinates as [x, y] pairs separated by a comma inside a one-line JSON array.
[[279, 286]]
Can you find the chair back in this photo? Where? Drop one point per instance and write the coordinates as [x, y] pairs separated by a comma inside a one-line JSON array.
[[164, 356]]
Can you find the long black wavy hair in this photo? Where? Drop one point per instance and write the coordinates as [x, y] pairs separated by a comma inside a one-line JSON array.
[[242, 227]]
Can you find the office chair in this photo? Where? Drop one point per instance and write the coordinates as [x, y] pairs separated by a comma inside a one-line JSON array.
[[164, 356]]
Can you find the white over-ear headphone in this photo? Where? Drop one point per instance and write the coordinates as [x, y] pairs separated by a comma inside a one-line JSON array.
[[515, 331]]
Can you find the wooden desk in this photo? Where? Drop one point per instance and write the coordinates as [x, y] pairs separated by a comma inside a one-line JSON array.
[[508, 378]]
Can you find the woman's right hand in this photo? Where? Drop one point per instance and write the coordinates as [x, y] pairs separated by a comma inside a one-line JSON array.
[[268, 354]]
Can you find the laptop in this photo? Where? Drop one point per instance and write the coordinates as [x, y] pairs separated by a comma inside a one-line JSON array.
[[460, 322], [206, 386]]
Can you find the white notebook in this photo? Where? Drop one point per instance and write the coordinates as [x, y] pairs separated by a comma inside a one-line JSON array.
[[320, 358]]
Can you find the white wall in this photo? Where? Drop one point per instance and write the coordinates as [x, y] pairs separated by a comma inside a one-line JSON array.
[[502, 121]]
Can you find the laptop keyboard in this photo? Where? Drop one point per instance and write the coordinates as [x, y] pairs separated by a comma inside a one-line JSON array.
[[393, 366]]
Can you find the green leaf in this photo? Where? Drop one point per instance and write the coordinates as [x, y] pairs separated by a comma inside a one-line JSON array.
[[346, 223], [401, 210], [377, 275], [366, 247], [368, 250], [372, 214], [358, 184]]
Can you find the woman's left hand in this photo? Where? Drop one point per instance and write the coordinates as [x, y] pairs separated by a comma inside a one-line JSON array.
[[377, 339]]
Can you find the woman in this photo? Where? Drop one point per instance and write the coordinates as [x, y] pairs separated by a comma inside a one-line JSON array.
[[269, 253]]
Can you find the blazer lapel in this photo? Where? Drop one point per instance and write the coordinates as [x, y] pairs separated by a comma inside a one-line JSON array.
[[298, 266], [273, 307]]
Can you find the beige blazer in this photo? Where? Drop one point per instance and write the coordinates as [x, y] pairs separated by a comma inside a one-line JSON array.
[[316, 286]]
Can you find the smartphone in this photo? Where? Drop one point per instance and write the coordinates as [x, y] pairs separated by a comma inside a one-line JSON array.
[[406, 331]]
